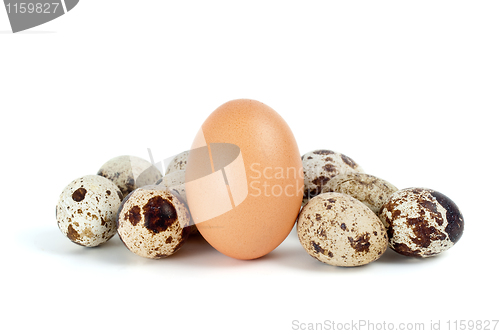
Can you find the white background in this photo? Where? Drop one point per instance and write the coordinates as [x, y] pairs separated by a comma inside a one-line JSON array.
[[409, 90]]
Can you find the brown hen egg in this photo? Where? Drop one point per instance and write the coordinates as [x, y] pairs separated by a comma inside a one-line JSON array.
[[244, 179]]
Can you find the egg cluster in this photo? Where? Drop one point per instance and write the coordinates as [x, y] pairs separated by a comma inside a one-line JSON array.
[[151, 219], [247, 186], [350, 218]]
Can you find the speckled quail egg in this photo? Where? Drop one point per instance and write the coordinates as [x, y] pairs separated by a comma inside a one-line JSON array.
[[153, 222], [370, 190], [129, 172], [175, 181], [87, 208], [339, 230], [321, 166], [178, 163], [421, 222]]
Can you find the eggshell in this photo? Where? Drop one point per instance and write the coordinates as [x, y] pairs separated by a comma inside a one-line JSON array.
[[370, 190], [175, 181], [339, 230], [86, 210], [421, 222], [178, 163], [153, 222], [129, 172], [321, 166], [244, 179]]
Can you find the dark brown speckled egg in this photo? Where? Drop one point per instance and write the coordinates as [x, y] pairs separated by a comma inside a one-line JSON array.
[[421, 222], [153, 222]]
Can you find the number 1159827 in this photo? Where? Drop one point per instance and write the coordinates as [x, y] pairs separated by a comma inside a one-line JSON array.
[[30, 7], [476, 325]]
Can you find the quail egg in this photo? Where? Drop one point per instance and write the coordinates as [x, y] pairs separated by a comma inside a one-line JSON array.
[[153, 222], [370, 190], [129, 172], [421, 222], [339, 230], [321, 166], [87, 208], [178, 163]]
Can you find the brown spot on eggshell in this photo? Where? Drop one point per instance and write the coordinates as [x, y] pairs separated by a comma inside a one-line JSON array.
[[323, 152], [424, 233], [319, 181], [79, 194], [73, 234], [134, 215], [317, 248], [361, 243], [403, 249], [159, 214], [348, 161], [87, 232], [329, 168]]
